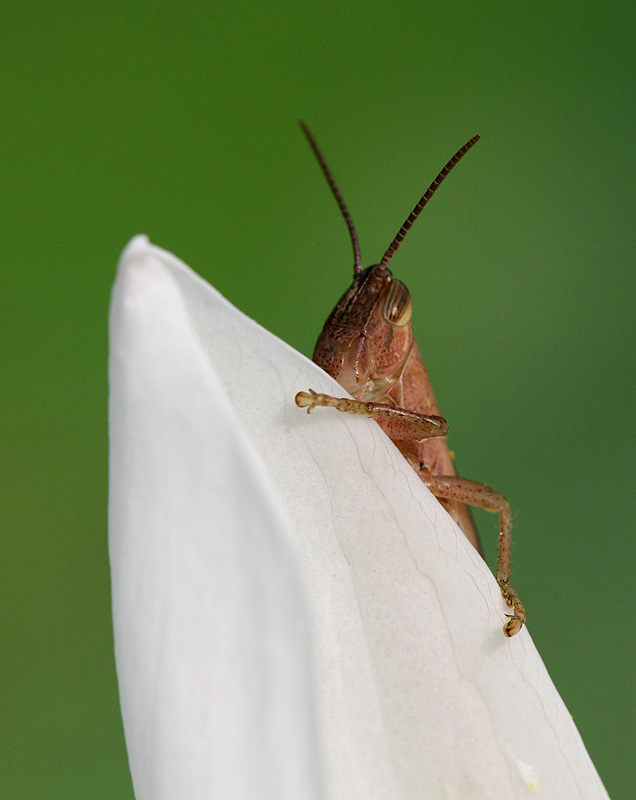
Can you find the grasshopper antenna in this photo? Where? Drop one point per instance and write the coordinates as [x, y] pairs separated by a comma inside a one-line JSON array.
[[424, 200], [357, 262]]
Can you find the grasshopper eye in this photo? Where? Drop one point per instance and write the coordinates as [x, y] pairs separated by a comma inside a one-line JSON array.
[[397, 304]]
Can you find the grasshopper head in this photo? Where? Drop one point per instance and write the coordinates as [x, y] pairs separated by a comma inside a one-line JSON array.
[[368, 337]]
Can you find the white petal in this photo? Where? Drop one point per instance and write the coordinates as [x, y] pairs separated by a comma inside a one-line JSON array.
[[419, 692], [210, 614]]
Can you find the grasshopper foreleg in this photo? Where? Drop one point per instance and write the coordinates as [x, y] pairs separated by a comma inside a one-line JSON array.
[[404, 425], [452, 487], [398, 423]]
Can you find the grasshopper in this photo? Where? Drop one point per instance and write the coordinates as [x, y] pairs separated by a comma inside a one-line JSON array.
[[367, 345]]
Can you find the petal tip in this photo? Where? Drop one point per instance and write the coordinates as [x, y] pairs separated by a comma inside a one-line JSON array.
[[136, 247]]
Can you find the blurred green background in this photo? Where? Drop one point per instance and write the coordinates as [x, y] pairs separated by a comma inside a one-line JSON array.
[[180, 121]]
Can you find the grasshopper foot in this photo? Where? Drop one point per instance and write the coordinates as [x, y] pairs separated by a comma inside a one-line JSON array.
[[518, 617], [306, 400]]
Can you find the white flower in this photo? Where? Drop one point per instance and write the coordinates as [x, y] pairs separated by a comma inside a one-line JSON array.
[[295, 615]]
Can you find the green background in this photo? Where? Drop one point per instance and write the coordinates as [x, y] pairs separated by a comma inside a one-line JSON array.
[[180, 122]]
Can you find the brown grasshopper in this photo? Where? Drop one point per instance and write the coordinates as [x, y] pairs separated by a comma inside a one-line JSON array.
[[367, 345]]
